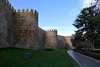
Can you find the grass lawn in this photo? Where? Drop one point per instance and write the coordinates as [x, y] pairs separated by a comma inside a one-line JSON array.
[[11, 57]]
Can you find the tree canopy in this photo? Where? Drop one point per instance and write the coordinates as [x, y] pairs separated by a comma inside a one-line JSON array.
[[88, 23]]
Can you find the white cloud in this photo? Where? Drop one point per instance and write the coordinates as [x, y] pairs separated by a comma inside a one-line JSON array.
[[87, 3], [98, 4]]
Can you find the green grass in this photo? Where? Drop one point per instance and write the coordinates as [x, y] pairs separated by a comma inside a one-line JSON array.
[[10, 57]]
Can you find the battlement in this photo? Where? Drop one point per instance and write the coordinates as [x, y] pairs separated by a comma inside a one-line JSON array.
[[21, 11], [52, 30], [26, 11], [20, 29], [10, 6]]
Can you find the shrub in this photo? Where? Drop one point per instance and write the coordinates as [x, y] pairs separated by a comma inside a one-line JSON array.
[[91, 54]]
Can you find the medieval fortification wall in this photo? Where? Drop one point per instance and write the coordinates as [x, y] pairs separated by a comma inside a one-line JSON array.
[[41, 38], [51, 39], [6, 23], [20, 30], [26, 29], [61, 42], [68, 41]]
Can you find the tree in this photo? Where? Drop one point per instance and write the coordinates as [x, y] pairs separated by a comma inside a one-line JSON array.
[[78, 40], [88, 23]]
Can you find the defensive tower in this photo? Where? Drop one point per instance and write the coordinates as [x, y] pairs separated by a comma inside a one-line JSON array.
[[51, 39], [26, 29]]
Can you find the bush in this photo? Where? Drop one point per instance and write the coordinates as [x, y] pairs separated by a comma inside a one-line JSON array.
[[96, 51], [91, 54], [79, 45]]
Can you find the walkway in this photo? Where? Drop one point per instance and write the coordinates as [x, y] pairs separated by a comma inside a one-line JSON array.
[[84, 61]]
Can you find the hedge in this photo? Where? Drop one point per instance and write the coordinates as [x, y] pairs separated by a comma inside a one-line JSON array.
[[91, 54]]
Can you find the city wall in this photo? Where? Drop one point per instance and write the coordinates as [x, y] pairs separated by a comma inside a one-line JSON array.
[[61, 42], [21, 30], [6, 23], [68, 41], [51, 39], [41, 38], [26, 29]]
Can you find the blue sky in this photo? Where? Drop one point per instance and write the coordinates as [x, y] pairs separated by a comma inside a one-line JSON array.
[[54, 14]]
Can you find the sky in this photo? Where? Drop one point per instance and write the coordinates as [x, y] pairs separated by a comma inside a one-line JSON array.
[[54, 14]]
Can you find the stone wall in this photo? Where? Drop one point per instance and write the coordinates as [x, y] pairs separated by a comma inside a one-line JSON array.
[[26, 29], [68, 41], [6, 23], [61, 42], [20, 30], [51, 39], [41, 38]]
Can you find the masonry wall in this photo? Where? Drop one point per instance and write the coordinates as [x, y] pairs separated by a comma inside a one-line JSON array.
[[61, 42], [6, 24], [41, 38], [68, 41], [51, 39], [26, 29], [20, 30]]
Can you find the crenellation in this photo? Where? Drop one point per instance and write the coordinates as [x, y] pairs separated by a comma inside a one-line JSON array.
[[52, 30], [35, 12], [55, 30], [14, 10], [23, 10], [27, 10], [18, 10], [7, 1], [31, 10], [24, 13], [9, 4]]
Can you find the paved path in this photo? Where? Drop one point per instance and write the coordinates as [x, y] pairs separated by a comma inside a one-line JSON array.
[[84, 61]]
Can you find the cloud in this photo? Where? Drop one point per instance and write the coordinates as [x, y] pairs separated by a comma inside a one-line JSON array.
[[98, 4], [87, 3]]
